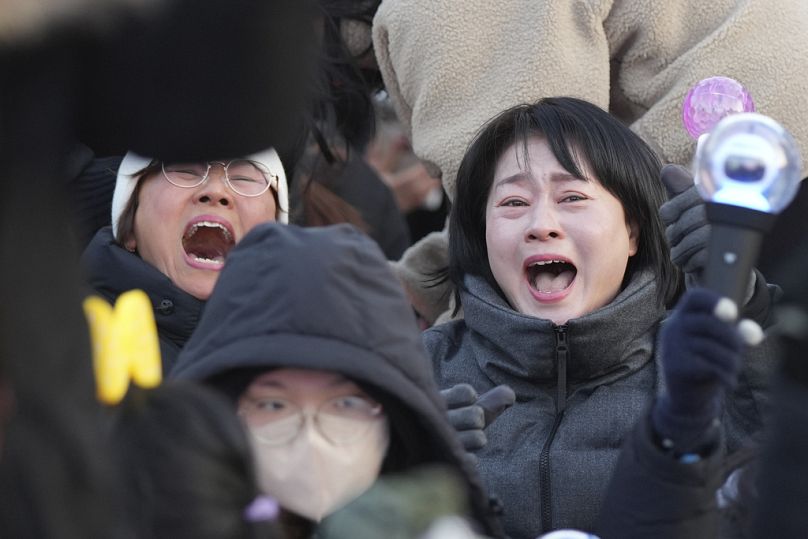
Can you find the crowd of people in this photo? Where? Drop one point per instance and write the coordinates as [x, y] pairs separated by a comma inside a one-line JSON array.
[[417, 269]]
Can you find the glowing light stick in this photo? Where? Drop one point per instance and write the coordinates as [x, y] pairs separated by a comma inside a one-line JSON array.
[[747, 169], [710, 101]]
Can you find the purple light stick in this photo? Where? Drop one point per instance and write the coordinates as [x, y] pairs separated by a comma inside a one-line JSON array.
[[710, 100]]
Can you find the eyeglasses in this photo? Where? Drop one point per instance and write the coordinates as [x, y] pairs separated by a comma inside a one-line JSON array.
[[246, 178], [341, 420]]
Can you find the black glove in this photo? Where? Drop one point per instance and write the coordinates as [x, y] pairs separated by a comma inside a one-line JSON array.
[[686, 225], [470, 414], [701, 355]]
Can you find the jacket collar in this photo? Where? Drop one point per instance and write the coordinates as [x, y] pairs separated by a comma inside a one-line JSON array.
[[112, 270], [603, 345]]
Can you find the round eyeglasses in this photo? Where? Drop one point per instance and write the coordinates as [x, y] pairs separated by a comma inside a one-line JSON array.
[[341, 420], [246, 178]]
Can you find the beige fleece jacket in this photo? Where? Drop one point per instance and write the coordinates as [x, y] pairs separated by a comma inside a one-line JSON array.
[[26, 21], [450, 65]]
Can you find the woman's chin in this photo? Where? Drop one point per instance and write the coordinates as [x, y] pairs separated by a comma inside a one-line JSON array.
[[199, 286], [557, 306]]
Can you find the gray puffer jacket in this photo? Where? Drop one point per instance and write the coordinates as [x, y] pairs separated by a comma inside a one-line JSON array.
[[580, 389]]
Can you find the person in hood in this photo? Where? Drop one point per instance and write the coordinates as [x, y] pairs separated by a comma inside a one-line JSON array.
[[563, 272], [310, 335], [173, 225]]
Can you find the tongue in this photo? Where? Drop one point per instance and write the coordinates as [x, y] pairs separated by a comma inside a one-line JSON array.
[[547, 281], [208, 254]]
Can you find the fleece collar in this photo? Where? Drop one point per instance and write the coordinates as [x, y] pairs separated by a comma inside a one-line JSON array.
[[112, 270]]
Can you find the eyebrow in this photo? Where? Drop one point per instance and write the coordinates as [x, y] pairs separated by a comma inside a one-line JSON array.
[[556, 177], [271, 383]]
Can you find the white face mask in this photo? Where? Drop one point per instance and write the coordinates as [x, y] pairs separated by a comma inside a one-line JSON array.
[[311, 476]]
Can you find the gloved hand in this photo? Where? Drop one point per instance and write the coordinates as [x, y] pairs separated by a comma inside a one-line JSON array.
[[701, 354], [686, 225], [470, 414]]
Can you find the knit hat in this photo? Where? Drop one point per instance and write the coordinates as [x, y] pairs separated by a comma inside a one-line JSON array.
[[133, 163]]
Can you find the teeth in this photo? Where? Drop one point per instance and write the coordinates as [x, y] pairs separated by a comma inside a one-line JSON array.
[[545, 262], [207, 260], [211, 224]]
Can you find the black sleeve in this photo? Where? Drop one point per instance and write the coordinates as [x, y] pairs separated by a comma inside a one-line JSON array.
[[90, 184], [782, 487], [654, 494]]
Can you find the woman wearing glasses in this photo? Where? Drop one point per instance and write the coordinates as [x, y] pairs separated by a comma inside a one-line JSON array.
[[321, 355], [173, 225]]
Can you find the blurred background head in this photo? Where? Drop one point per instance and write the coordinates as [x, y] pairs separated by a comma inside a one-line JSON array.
[[186, 466]]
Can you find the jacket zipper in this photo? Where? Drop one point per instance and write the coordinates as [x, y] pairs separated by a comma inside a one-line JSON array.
[[562, 352]]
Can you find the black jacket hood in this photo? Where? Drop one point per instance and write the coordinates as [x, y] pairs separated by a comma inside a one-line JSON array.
[[323, 298]]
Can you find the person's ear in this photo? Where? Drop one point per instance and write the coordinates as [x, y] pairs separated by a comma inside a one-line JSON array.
[[633, 238], [130, 244]]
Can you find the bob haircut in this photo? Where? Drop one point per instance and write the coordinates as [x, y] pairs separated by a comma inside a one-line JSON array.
[[579, 134]]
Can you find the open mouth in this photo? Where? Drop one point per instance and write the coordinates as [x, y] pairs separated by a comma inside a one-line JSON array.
[[550, 276], [207, 242]]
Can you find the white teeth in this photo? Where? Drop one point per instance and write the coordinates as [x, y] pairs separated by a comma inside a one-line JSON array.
[[207, 260], [211, 224], [545, 262]]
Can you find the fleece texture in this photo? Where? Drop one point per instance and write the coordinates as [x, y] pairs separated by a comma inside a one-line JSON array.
[[29, 20]]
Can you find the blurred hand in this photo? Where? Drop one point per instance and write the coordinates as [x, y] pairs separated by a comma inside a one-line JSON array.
[[686, 225], [406, 176]]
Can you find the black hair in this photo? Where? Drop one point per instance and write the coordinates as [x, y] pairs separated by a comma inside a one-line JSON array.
[[339, 123], [187, 464], [580, 136], [56, 478], [126, 220], [343, 104]]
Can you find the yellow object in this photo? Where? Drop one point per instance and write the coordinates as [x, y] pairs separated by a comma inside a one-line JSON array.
[[124, 343]]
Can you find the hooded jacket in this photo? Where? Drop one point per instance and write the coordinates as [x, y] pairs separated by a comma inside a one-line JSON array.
[[580, 389], [111, 270], [325, 299]]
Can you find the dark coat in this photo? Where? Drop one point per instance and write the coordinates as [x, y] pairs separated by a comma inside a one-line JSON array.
[[112, 270], [325, 298], [654, 494], [781, 509]]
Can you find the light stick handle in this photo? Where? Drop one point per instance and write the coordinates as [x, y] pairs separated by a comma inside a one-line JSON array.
[[732, 253]]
